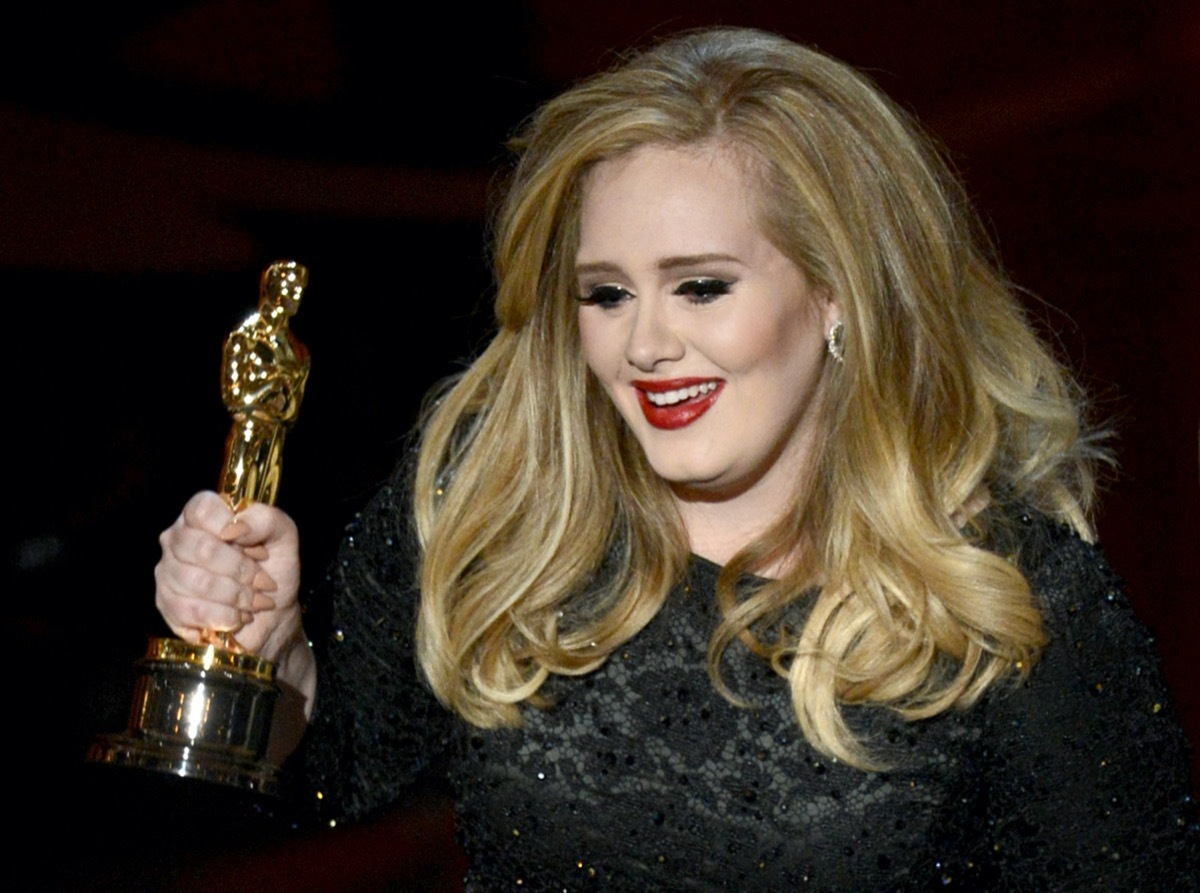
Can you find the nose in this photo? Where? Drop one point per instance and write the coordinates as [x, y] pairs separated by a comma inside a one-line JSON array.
[[652, 337]]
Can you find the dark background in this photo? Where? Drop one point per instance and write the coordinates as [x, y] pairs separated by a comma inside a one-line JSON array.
[[155, 156]]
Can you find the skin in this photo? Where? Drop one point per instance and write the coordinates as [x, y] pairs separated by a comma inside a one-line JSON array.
[[680, 288]]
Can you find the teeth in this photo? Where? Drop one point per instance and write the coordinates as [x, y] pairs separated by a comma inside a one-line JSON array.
[[670, 398]]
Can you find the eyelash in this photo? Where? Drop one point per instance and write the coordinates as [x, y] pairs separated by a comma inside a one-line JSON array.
[[704, 291], [698, 291], [605, 296]]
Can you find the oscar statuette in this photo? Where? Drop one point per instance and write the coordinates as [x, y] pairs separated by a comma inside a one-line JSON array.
[[204, 710]]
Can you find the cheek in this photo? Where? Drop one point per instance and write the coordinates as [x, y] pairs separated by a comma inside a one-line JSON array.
[[596, 340], [771, 349], [587, 343], [603, 351], [750, 343]]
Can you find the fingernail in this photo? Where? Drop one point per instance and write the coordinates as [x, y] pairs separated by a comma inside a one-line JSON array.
[[233, 530], [256, 552], [247, 616], [262, 602], [263, 582]]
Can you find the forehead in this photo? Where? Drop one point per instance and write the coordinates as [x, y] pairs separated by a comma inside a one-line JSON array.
[[687, 200]]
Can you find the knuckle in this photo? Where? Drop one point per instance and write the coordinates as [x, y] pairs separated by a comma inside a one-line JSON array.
[[206, 510], [196, 580], [198, 616], [206, 551]]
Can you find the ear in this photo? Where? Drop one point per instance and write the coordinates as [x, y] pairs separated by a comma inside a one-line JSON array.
[[831, 309]]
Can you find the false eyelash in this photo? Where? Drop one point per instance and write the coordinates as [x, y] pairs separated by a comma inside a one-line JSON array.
[[702, 291], [605, 296]]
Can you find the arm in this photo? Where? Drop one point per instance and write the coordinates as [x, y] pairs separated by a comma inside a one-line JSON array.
[[1088, 770], [377, 729]]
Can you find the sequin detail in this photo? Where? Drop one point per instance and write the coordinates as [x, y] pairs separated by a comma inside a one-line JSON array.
[[641, 777]]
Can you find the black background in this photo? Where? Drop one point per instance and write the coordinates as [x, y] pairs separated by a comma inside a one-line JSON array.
[[156, 156]]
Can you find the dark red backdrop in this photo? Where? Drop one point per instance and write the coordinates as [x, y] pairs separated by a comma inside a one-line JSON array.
[[156, 156]]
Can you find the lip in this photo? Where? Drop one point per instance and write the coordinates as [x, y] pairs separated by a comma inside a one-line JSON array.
[[683, 413]]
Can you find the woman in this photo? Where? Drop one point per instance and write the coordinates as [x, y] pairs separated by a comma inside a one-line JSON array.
[[754, 548]]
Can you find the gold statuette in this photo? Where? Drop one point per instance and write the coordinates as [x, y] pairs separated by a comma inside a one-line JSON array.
[[263, 372], [204, 711]]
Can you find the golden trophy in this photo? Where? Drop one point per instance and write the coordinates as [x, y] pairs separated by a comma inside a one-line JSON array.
[[204, 710]]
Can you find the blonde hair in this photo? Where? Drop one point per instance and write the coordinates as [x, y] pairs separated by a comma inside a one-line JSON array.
[[547, 539]]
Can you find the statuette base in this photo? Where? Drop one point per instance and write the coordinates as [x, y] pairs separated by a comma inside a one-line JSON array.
[[199, 711]]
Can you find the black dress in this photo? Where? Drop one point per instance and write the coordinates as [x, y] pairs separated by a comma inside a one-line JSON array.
[[642, 777]]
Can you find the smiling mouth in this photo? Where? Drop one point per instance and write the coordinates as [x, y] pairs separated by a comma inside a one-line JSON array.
[[678, 402], [678, 395]]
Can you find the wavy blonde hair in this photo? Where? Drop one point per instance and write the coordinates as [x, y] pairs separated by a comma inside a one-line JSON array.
[[547, 539]]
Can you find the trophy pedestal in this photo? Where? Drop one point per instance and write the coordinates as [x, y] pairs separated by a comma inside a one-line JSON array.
[[199, 711]]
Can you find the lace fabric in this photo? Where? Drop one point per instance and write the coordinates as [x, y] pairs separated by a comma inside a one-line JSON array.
[[640, 776]]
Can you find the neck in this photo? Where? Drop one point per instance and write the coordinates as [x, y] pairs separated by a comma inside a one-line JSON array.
[[719, 530], [720, 524]]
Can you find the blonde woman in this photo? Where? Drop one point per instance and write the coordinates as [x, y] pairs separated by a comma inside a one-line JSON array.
[[753, 551]]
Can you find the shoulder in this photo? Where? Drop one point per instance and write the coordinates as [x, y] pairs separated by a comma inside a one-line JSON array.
[[1098, 657], [1070, 578], [1087, 618], [1087, 767], [384, 530]]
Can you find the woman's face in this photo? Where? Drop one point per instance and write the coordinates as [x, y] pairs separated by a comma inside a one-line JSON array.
[[710, 342]]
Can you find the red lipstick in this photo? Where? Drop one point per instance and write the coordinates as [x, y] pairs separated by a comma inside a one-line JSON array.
[[682, 413]]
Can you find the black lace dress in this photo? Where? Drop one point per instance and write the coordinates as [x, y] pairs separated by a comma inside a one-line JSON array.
[[642, 777]]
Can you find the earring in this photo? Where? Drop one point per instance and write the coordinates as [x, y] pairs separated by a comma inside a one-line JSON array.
[[835, 341]]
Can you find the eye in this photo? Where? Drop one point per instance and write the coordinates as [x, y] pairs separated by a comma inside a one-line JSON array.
[[704, 291], [605, 296]]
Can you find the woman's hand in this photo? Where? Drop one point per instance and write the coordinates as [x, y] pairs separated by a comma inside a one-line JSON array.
[[241, 573], [238, 573]]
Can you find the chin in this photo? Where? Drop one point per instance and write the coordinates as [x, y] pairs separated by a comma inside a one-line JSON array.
[[693, 480]]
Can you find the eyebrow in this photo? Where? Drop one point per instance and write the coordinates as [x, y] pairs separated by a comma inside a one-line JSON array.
[[666, 264]]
